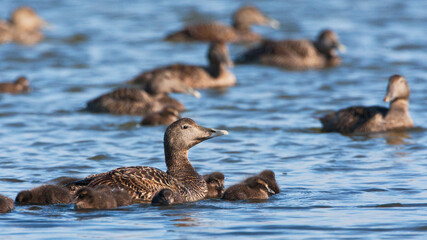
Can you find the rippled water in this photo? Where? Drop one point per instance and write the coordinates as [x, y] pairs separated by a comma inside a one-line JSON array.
[[333, 186]]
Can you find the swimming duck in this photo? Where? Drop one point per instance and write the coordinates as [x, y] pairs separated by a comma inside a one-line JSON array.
[[166, 197], [270, 178], [243, 18], [6, 204], [215, 182], [360, 119], [253, 188], [45, 194], [166, 116], [297, 54], [215, 75], [134, 101], [21, 85], [24, 27], [143, 183], [92, 198]]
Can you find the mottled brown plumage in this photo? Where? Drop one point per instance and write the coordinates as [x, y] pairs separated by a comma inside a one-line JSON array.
[[20, 85], [212, 76], [243, 18], [253, 188], [167, 197], [374, 119], [297, 54], [45, 194], [24, 27], [270, 178], [6, 204], [143, 183], [166, 116], [215, 183]]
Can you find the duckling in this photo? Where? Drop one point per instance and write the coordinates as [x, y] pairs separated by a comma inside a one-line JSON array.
[[166, 116], [91, 198], [215, 75], [297, 54], [6, 204], [270, 178], [166, 197], [21, 85], [134, 101], [360, 119], [243, 18], [45, 194], [215, 182], [253, 188], [143, 183], [24, 27]]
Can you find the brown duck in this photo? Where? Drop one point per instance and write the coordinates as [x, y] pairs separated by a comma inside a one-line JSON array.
[[215, 75], [376, 118], [93, 198], [21, 85], [45, 194], [297, 54], [243, 18], [253, 188], [166, 116], [166, 197], [215, 182], [23, 27], [143, 183], [134, 101], [270, 178], [6, 204]]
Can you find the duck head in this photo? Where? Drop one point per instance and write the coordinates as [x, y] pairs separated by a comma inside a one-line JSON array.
[[246, 16], [397, 89]]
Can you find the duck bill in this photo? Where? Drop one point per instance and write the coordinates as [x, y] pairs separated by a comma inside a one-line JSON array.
[[194, 93], [273, 23], [341, 48], [214, 133], [270, 191], [388, 98]]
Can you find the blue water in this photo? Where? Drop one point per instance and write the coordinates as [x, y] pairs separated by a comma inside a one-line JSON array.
[[333, 186]]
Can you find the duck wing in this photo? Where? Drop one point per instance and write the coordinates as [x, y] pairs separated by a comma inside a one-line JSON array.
[[205, 32]]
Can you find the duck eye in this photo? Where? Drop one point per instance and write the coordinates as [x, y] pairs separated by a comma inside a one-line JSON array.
[[185, 127]]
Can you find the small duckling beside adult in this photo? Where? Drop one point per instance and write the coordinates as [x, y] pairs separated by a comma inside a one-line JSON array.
[[167, 197], [240, 31], [45, 194], [6, 204], [215, 75], [135, 101], [252, 188], [23, 27], [20, 85], [215, 183], [297, 54], [101, 197], [361, 119]]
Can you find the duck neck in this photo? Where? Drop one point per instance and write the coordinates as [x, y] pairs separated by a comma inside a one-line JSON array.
[[178, 164], [398, 108], [216, 68], [241, 27]]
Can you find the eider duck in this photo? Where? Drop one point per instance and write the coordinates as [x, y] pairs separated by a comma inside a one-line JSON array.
[[270, 178], [6, 204], [134, 101], [215, 182], [297, 54], [45, 194], [253, 188], [215, 75], [23, 27], [143, 183], [360, 119], [21, 85], [166, 197], [243, 18], [166, 116], [92, 198]]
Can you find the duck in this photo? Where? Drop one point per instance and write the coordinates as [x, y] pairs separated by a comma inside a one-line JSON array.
[[166, 197], [166, 116], [215, 75], [240, 31], [6, 204], [270, 178], [45, 194], [297, 54], [359, 119], [62, 181], [252, 188], [24, 27], [136, 101], [93, 198], [20, 85], [144, 182], [215, 182]]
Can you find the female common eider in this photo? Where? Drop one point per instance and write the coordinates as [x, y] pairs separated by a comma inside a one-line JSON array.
[[166, 116], [376, 118], [21, 85], [297, 54], [143, 183], [253, 188], [243, 18], [215, 75]]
